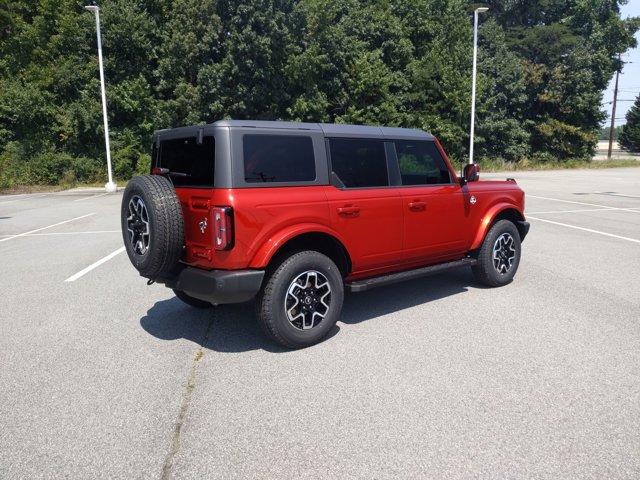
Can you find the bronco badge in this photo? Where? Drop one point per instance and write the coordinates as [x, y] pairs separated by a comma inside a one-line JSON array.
[[203, 224]]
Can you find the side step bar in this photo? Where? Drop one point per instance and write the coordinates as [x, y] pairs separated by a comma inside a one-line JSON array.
[[369, 283]]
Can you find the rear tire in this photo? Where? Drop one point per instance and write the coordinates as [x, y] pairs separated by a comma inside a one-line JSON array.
[[301, 300], [499, 255], [191, 301], [152, 225]]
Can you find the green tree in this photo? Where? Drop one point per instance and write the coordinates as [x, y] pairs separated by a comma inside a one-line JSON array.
[[503, 130], [543, 66], [630, 133], [191, 44], [569, 52], [247, 80]]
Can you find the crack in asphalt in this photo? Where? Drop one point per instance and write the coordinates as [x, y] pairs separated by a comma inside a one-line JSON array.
[[184, 407]]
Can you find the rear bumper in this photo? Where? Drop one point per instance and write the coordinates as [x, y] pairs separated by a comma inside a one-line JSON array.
[[523, 229], [217, 286]]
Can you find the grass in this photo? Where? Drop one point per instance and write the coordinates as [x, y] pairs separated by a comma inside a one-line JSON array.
[[18, 189], [501, 166]]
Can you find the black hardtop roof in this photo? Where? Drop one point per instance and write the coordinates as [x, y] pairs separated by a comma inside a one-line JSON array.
[[328, 129]]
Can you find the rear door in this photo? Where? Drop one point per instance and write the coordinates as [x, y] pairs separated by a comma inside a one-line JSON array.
[[432, 202], [364, 208], [189, 156]]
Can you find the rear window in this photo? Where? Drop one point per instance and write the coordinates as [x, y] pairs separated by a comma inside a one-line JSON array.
[[278, 158], [359, 163], [189, 164]]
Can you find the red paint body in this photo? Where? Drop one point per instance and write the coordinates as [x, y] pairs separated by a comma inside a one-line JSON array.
[[382, 229]]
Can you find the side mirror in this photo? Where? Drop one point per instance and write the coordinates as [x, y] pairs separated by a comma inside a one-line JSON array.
[[471, 172]]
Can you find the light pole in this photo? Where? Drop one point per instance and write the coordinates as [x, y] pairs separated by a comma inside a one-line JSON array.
[[110, 186], [473, 79]]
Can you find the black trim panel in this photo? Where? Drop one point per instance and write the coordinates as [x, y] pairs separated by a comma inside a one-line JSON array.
[[217, 286], [523, 228], [369, 283]]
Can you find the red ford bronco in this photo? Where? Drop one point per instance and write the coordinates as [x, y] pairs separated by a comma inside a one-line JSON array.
[[295, 213]]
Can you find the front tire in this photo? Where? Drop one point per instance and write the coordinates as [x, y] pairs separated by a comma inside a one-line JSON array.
[[499, 255], [301, 300]]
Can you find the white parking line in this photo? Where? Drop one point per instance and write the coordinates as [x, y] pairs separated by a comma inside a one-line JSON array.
[[84, 271], [91, 196], [584, 210], [578, 203], [44, 228], [634, 240], [66, 233]]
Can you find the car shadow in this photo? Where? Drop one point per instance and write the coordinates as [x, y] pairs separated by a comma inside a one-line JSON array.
[[233, 328]]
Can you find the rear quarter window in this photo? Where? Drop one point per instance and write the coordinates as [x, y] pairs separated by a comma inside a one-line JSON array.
[[189, 163], [278, 158]]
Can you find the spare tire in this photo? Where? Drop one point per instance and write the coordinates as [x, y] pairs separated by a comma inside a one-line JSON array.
[[152, 225]]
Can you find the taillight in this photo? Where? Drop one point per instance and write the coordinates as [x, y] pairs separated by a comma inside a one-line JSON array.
[[222, 228]]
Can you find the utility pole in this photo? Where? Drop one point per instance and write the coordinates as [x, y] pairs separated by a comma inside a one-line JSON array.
[[613, 109]]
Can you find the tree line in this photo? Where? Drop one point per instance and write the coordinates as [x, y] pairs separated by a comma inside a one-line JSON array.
[[542, 69], [629, 135]]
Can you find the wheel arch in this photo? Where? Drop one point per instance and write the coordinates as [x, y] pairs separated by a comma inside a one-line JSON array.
[[317, 238], [501, 211]]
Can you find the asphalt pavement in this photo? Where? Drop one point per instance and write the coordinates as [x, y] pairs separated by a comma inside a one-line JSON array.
[[103, 376]]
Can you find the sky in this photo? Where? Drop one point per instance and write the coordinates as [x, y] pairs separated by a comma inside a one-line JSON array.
[[629, 83]]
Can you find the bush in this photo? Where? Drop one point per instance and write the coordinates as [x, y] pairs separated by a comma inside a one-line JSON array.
[[48, 168], [128, 161], [11, 161], [144, 164], [86, 170], [68, 179]]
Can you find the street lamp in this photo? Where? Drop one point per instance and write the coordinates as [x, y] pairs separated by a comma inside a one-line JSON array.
[[473, 79], [110, 186]]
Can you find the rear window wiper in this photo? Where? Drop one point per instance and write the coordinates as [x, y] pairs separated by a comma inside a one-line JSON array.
[[166, 171], [259, 176]]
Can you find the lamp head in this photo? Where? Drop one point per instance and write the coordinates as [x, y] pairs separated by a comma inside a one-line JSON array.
[[92, 8], [482, 9]]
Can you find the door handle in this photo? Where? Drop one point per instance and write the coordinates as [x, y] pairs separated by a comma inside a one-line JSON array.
[[351, 211], [417, 206]]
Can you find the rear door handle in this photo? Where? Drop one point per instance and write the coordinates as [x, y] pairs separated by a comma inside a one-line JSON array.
[[417, 206], [351, 211]]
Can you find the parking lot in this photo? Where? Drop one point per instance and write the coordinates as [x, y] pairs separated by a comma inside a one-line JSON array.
[[105, 377]]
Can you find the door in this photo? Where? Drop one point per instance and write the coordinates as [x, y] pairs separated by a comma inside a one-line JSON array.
[[364, 208], [433, 204]]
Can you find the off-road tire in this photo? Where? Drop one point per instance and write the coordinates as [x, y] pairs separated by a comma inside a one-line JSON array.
[[270, 303], [191, 301], [166, 227], [485, 271]]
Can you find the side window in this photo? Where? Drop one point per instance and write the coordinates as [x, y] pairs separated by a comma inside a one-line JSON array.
[[359, 162], [278, 158], [192, 164], [420, 163]]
